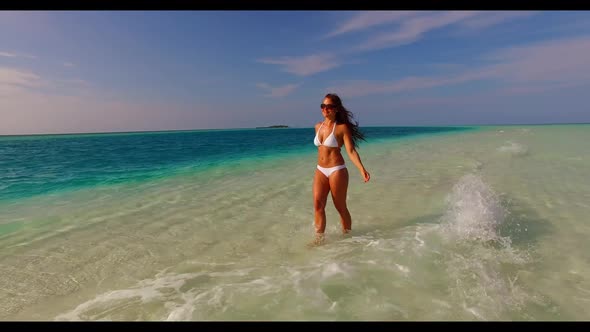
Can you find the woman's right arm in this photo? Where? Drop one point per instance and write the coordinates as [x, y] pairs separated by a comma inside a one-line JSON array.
[[353, 154]]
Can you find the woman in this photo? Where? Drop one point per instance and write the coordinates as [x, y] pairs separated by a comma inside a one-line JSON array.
[[331, 174]]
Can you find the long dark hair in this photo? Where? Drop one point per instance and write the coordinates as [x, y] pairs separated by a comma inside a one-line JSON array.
[[345, 116]]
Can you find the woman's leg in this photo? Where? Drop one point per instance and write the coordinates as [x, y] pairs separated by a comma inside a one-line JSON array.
[[339, 187], [321, 188]]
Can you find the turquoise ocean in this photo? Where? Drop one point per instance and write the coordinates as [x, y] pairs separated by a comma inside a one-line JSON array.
[[457, 223]]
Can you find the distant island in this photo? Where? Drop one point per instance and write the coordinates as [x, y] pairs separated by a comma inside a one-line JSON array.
[[274, 126]]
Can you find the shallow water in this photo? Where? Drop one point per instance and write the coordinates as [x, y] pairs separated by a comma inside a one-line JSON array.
[[487, 224]]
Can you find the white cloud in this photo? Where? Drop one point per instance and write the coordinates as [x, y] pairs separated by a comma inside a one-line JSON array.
[[532, 68], [363, 88], [565, 60], [20, 78], [411, 26], [280, 91], [367, 20], [7, 54], [13, 81], [304, 65], [488, 19], [14, 55], [412, 29]]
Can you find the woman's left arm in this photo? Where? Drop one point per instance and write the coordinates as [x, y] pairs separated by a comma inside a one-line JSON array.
[[353, 154]]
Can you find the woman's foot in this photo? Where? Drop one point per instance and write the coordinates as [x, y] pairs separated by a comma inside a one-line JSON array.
[[346, 233], [318, 240]]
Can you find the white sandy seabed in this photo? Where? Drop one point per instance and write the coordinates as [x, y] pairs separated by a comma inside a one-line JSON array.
[[489, 224]]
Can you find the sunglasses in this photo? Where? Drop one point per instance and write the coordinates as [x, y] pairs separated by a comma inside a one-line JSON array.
[[328, 106]]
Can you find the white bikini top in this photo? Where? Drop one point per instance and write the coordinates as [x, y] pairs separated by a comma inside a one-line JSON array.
[[330, 141]]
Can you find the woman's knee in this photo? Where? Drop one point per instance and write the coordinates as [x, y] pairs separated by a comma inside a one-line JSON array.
[[341, 207], [319, 205]]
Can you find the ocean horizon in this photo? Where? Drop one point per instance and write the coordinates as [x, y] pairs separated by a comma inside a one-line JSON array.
[[294, 127]]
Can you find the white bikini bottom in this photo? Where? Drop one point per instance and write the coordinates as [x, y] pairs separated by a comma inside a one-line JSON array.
[[329, 170]]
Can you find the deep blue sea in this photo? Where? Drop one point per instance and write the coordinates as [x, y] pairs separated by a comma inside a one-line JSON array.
[[33, 165]]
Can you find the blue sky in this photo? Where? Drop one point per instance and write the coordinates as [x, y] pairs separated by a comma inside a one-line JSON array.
[[63, 72]]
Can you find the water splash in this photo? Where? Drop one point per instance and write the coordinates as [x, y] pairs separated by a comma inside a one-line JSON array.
[[474, 211], [482, 265]]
